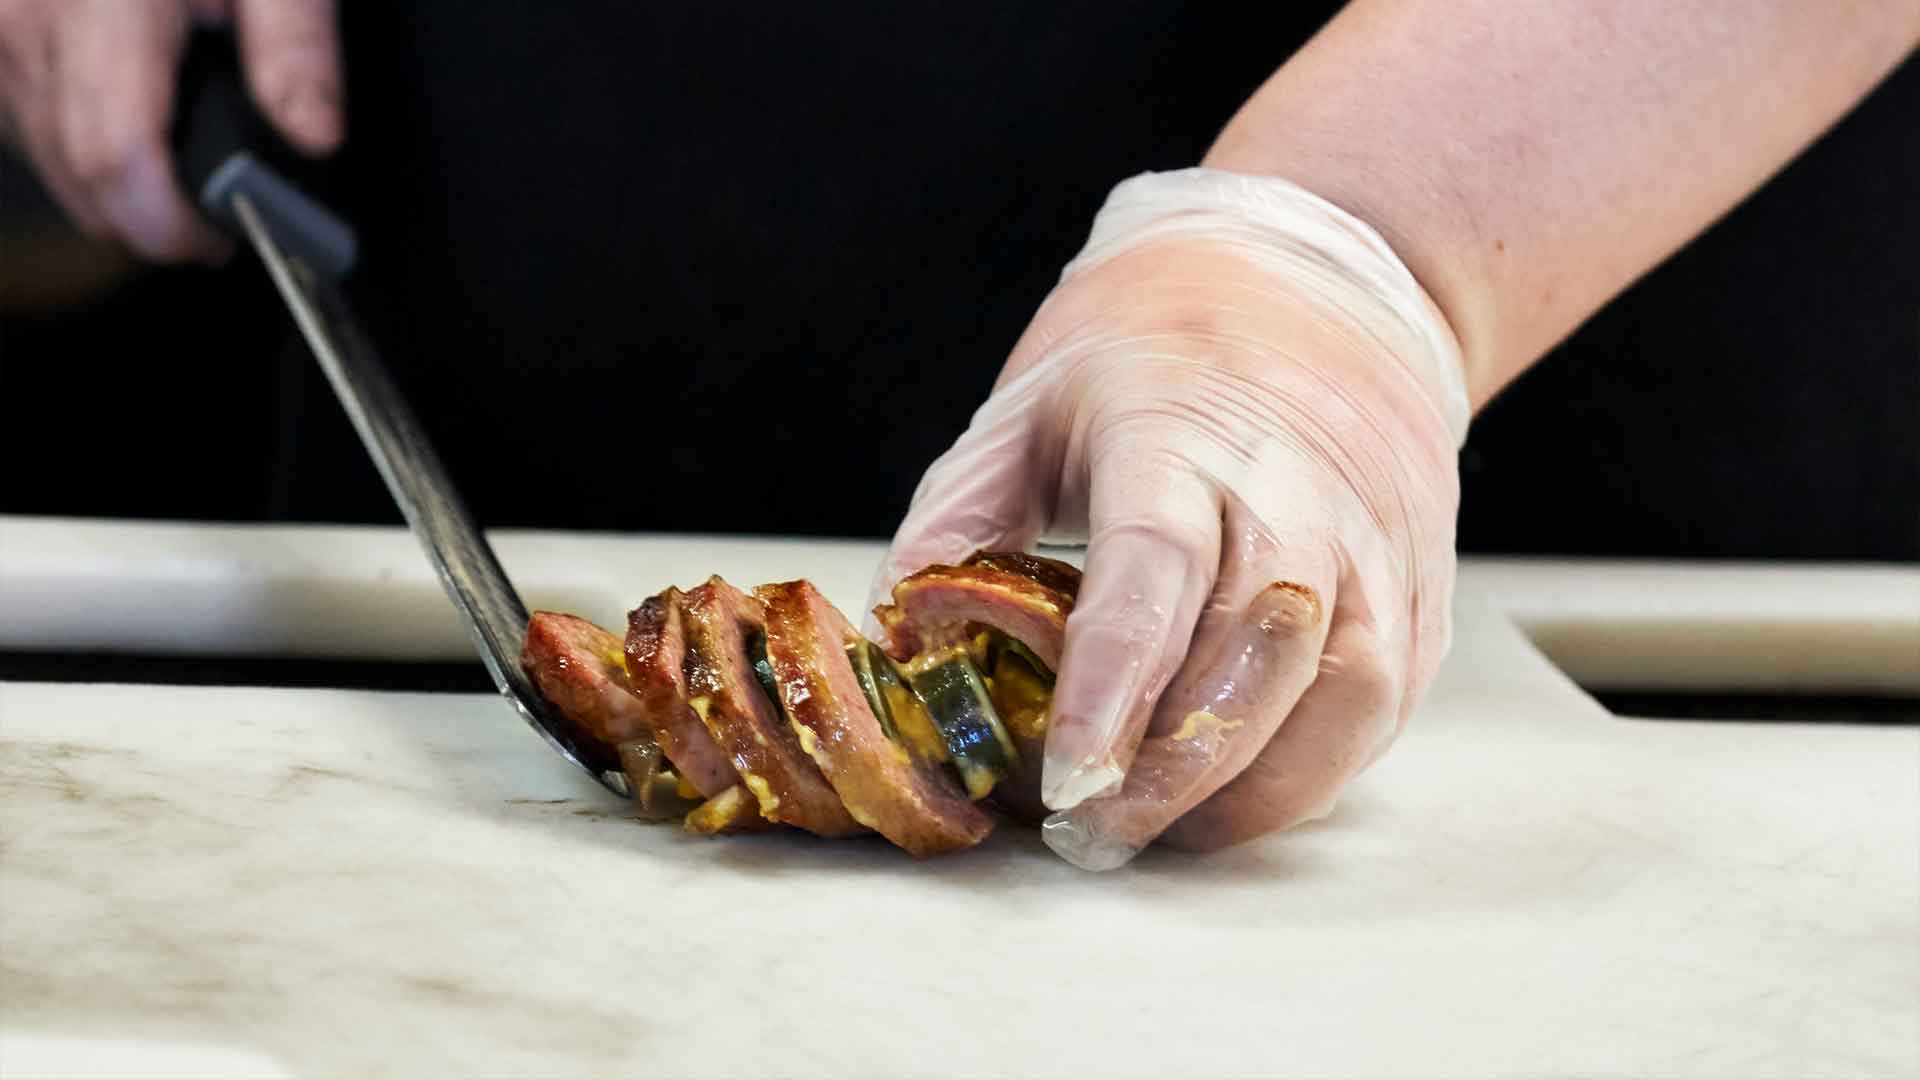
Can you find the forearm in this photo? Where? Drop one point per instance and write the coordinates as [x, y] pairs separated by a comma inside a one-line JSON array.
[[1529, 160]]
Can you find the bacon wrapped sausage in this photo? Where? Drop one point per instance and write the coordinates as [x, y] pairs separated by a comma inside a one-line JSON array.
[[772, 709]]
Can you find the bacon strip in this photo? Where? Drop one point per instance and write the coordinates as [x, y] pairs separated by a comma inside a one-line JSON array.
[[884, 786], [1025, 597]]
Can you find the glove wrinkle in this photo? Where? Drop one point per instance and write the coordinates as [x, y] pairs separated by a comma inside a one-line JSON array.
[[1246, 404]]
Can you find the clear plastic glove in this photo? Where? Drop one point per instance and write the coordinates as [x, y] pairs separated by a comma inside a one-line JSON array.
[[87, 89], [1249, 411]]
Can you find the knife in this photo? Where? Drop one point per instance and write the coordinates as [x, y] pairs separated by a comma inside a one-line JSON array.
[[224, 150]]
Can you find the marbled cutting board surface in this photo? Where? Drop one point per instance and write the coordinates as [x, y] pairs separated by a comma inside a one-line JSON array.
[[199, 881]]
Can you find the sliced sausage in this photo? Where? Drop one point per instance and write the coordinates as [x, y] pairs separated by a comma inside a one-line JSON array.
[[656, 654], [578, 666], [884, 787], [721, 623]]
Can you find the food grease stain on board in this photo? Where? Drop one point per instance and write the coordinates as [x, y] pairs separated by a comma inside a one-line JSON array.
[[208, 920]]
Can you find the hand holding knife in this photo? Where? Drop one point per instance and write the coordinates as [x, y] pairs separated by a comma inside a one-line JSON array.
[[221, 145]]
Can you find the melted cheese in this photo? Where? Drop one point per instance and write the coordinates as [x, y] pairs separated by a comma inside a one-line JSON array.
[[723, 812], [1021, 697], [914, 723], [1202, 725], [769, 802]]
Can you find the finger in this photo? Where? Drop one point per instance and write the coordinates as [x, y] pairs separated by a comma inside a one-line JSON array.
[[113, 94], [291, 52], [989, 491], [36, 126], [1227, 713], [1349, 713], [1253, 556], [29, 57], [1153, 550]]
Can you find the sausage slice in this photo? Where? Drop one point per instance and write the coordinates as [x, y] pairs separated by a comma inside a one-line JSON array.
[[722, 625], [883, 786]]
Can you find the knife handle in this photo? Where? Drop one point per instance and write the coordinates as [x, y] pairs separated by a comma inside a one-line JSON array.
[[222, 146]]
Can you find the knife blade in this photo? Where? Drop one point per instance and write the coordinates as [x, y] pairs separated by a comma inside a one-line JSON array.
[[306, 249]]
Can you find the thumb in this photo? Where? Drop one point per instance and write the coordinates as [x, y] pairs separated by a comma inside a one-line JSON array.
[[291, 52]]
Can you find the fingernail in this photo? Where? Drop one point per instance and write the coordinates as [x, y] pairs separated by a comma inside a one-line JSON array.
[[1080, 763], [1322, 810], [1088, 778], [1081, 844]]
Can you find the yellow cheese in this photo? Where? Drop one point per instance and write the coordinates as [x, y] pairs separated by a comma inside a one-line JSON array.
[[1021, 697], [1202, 725], [915, 725], [769, 802]]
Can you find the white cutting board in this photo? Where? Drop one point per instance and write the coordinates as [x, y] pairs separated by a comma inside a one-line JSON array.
[[199, 881]]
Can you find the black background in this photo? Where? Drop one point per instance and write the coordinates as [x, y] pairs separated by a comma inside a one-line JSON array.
[[724, 267]]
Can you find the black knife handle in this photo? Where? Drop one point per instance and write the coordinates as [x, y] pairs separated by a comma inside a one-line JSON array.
[[223, 147]]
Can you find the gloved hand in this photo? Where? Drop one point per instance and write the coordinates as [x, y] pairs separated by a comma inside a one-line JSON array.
[[87, 88], [1248, 409]]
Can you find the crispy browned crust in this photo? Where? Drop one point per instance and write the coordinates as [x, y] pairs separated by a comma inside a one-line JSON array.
[[886, 788], [722, 690], [1024, 596], [1063, 578], [578, 668], [656, 669]]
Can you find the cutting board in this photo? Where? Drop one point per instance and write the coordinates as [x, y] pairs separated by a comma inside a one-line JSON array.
[[246, 881]]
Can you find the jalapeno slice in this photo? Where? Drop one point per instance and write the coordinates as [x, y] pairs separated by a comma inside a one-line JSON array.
[[763, 672], [978, 745], [870, 668]]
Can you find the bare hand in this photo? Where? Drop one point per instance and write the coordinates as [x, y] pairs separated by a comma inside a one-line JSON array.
[[87, 92]]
